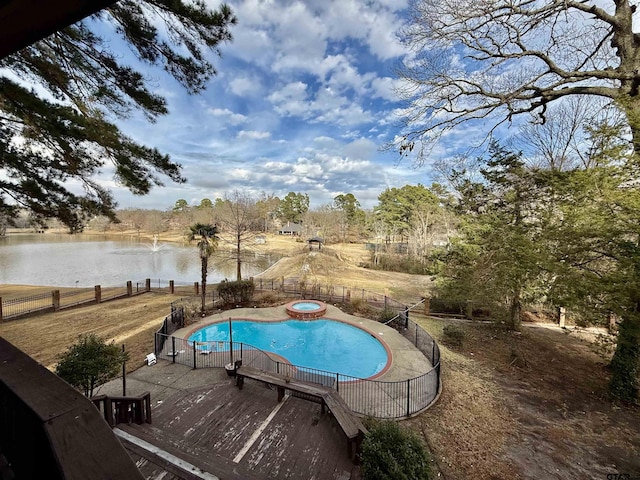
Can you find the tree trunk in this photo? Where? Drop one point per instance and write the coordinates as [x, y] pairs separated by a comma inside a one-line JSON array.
[[631, 107], [514, 311], [625, 365], [238, 260], [204, 282]]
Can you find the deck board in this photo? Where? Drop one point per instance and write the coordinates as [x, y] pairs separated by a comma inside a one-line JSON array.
[[212, 425]]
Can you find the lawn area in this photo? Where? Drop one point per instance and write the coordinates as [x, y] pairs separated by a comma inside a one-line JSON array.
[[526, 405]]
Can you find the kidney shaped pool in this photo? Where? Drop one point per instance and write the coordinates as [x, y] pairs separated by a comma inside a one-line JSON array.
[[322, 344]]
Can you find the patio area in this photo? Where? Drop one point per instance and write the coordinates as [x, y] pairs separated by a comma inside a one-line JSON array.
[[229, 433]]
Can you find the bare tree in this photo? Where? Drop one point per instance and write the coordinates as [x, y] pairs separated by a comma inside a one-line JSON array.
[[493, 60], [240, 218]]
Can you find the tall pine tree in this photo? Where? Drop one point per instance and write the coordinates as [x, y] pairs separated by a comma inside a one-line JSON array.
[[60, 99]]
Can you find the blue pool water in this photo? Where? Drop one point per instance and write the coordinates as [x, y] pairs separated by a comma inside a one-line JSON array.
[[309, 306], [323, 344]]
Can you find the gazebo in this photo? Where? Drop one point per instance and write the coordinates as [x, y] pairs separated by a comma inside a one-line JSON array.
[[315, 241]]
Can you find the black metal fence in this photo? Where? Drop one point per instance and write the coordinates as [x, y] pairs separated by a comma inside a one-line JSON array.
[[16, 307], [376, 398], [54, 300]]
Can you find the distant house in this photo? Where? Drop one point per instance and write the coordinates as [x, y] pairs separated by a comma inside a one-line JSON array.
[[291, 229]]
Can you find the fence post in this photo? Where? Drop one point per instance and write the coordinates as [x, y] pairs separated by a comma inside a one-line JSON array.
[[55, 300], [147, 285], [98, 290], [348, 294], [385, 303], [196, 288], [173, 349], [427, 306], [337, 382], [562, 316], [171, 286], [408, 397], [0, 309], [155, 343], [129, 288], [194, 354]]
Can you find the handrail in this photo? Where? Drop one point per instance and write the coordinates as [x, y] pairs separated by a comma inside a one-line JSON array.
[[136, 409]]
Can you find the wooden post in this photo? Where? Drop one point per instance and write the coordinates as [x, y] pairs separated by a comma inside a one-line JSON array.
[[98, 290], [562, 316], [147, 285], [171, 286], [427, 306], [124, 374], [348, 294], [55, 300], [129, 289]]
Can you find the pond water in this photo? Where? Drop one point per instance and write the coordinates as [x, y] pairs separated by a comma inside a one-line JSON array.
[[73, 260]]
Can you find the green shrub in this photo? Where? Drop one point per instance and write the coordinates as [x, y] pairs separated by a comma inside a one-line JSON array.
[[90, 362], [236, 292], [391, 453], [453, 335], [269, 298], [357, 305], [386, 315]]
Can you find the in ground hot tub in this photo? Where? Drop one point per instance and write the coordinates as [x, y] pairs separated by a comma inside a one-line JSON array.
[[306, 309]]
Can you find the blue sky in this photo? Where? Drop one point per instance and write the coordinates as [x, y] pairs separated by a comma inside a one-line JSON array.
[[302, 102]]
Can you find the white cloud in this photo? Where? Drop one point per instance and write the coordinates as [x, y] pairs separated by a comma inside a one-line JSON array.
[[253, 135], [232, 118], [245, 86]]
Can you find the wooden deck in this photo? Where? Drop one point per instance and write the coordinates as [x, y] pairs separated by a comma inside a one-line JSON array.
[[351, 425], [246, 434]]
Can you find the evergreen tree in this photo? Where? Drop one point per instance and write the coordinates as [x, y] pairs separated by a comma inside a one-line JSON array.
[[596, 244], [293, 207], [90, 362], [60, 98], [500, 259]]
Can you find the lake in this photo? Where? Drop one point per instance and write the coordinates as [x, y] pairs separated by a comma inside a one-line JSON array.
[[74, 260]]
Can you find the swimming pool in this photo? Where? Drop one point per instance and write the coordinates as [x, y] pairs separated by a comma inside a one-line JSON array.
[[322, 344]]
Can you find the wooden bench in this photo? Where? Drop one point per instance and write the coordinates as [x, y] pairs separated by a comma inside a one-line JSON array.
[[281, 383], [350, 424]]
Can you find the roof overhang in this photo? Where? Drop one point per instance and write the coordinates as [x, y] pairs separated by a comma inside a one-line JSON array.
[[23, 22]]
